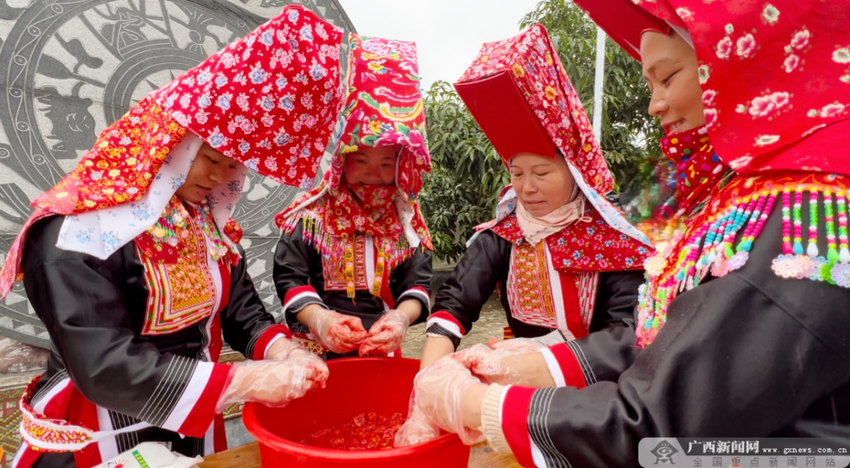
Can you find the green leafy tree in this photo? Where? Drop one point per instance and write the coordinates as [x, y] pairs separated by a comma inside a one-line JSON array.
[[462, 189]]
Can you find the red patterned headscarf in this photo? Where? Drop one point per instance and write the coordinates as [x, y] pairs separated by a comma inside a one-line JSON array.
[[383, 107], [268, 101], [775, 75], [775, 78], [520, 95]]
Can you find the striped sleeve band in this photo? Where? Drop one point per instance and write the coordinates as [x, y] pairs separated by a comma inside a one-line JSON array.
[[564, 367], [299, 298], [443, 324], [417, 293]]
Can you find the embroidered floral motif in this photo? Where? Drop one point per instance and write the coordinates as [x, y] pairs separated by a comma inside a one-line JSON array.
[[529, 286], [42, 432], [125, 160], [163, 240], [180, 293], [591, 245]]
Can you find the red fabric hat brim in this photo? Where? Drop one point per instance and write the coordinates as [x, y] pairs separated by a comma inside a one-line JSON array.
[[507, 121], [623, 21]]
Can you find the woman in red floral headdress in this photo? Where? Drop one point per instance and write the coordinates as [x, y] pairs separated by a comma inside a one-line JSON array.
[[353, 265], [133, 264], [562, 257]]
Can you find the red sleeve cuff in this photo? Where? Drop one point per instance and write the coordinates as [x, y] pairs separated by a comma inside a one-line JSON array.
[[570, 367], [301, 292], [447, 321], [266, 337], [201, 415], [515, 405]]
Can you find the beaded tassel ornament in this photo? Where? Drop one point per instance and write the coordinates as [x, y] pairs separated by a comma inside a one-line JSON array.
[[171, 228], [389, 255], [709, 248], [794, 262]]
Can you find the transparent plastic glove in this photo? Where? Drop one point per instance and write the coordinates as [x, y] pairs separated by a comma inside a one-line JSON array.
[[439, 390], [529, 345], [336, 332], [417, 429], [273, 383], [282, 349], [491, 366], [285, 350], [386, 335], [517, 345], [303, 354]]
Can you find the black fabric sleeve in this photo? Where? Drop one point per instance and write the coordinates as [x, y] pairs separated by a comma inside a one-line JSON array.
[[610, 348], [413, 278], [80, 301], [293, 262], [746, 355], [484, 264], [244, 318]]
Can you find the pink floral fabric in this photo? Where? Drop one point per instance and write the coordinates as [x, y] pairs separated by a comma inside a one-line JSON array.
[[238, 101], [775, 77], [269, 100]]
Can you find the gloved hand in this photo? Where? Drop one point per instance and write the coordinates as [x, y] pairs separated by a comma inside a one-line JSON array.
[[417, 429], [519, 364], [495, 366], [517, 345], [530, 345], [274, 383], [336, 332], [386, 335], [439, 391], [284, 348]]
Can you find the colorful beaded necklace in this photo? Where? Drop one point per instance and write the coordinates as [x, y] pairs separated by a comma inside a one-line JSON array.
[[794, 262], [172, 227], [708, 244]]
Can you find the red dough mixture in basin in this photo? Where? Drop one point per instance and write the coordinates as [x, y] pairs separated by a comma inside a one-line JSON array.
[[366, 431]]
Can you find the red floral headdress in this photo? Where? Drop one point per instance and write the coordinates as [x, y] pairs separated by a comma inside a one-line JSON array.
[[776, 85], [383, 107], [775, 76]]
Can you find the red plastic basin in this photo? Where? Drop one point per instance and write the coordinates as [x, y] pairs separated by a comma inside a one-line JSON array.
[[355, 386]]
